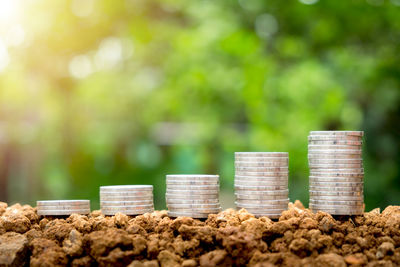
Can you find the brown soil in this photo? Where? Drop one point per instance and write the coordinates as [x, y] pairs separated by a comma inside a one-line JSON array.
[[298, 238]]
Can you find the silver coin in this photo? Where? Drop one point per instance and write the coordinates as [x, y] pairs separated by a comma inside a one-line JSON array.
[[242, 197], [263, 210], [64, 207], [261, 174], [263, 202], [193, 182], [126, 203], [192, 187], [335, 174], [355, 170], [336, 179], [260, 188], [339, 211], [260, 164], [262, 154], [334, 138], [125, 188], [335, 193], [335, 166], [261, 169], [336, 142], [262, 178], [334, 147], [191, 196], [62, 202], [260, 183], [336, 189], [192, 176], [335, 161], [282, 205], [127, 212], [128, 193], [333, 156], [191, 201], [347, 152], [282, 160], [126, 208], [336, 184], [337, 202], [261, 192], [136, 207], [192, 192], [338, 133], [62, 212], [125, 198], [188, 214], [193, 206], [196, 210], [334, 207], [342, 198], [276, 210]]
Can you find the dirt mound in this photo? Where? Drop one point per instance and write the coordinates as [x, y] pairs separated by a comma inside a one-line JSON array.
[[298, 238]]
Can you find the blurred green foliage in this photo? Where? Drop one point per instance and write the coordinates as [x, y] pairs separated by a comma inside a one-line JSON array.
[[124, 92]]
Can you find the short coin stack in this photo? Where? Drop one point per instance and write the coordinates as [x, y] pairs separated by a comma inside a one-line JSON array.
[[62, 207], [194, 196], [261, 182], [336, 172], [126, 199]]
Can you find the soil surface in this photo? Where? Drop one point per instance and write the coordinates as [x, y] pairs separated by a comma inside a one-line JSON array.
[[230, 238]]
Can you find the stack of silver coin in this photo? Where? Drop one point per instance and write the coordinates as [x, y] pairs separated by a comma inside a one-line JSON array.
[[126, 199], [261, 182], [336, 172], [194, 196], [62, 207]]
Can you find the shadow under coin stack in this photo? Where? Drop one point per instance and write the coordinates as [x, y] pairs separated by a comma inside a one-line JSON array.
[[261, 182], [62, 207], [194, 196], [126, 199], [336, 172]]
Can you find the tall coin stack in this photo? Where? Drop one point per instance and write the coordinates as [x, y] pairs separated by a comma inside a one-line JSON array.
[[336, 172], [194, 196], [261, 182], [127, 199], [62, 207]]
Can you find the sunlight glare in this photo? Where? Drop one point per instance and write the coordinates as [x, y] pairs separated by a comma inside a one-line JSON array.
[[8, 10], [4, 57]]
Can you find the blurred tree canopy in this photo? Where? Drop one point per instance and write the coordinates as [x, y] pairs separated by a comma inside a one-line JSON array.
[[124, 92]]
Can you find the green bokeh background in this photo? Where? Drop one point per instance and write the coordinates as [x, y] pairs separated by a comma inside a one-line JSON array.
[[124, 92]]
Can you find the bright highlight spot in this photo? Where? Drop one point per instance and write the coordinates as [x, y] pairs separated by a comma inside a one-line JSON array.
[[266, 25], [15, 35], [8, 10], [109, 53], [308, 2], [4, 57], [80, 66]]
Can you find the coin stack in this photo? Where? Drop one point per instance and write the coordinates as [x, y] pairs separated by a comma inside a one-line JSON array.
[[261, 182], [194, 196], [127, 199], [62, 207], [336, 172]]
